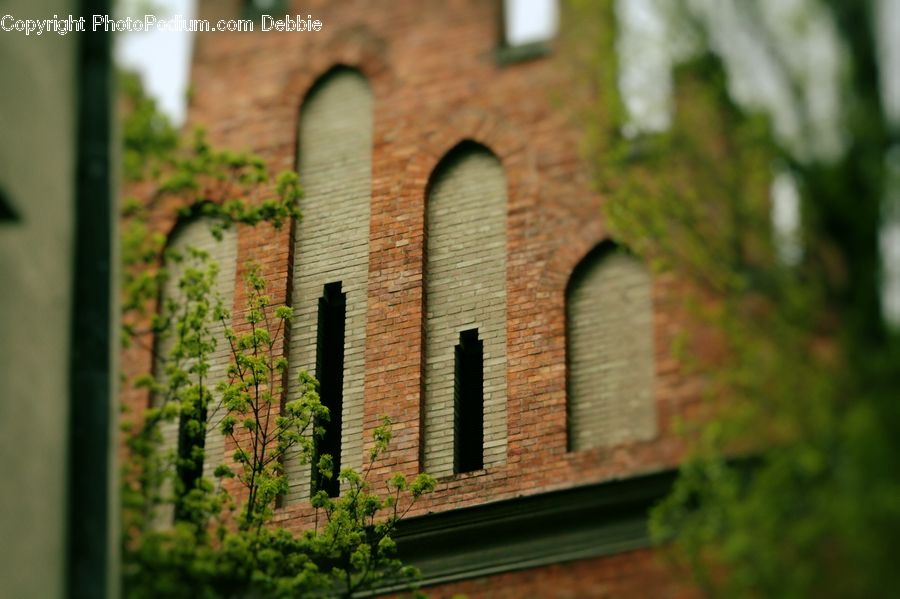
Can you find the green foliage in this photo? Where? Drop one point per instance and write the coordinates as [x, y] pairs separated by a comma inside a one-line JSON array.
[[186, 535], [147, 135], [791, 485], [227, 188]]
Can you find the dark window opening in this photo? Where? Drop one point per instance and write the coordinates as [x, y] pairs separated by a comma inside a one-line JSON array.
[[468, 403], [191, 444], [256, 8], [330, 372], [6, 210]]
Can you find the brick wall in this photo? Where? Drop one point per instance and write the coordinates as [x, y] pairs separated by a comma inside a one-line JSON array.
[[465, 280], [433, 79], [610, 352], [332, 244], [631, 574]]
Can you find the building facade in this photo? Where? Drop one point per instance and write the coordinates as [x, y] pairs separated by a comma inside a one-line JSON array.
[[452, 270]]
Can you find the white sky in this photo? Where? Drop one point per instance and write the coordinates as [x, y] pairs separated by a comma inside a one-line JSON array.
[[162, 58], [530, 20], [785, 215]]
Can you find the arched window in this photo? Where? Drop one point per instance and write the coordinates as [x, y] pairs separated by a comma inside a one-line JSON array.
[[177, 437], [331, 265], [609, 339], [465, 323]]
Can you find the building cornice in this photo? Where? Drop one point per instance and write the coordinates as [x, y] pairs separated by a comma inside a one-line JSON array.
[[534, 530]]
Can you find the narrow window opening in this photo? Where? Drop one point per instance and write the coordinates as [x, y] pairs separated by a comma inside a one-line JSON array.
[[191, 447], [7, 213], [468, 403], [330, 372]]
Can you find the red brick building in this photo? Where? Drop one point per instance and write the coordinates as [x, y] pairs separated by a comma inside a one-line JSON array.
[[452, 235]]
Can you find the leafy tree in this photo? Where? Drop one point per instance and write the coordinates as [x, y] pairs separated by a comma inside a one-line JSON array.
[[791, 485], [223, 542]]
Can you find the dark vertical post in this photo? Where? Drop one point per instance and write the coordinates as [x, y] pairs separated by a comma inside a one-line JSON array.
[[330, 372], [90, 380], [468, 403]]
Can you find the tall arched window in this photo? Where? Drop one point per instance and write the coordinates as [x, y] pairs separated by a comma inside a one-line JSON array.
[[331, 265], [609, 338], [196, 235], [465, 324]]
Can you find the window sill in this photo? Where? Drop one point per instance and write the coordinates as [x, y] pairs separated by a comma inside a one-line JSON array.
[[512, 54]]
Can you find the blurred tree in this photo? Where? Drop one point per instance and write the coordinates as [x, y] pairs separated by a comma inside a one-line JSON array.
[[792, 484]]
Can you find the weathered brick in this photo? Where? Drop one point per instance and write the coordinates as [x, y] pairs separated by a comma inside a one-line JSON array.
[[434, 81]]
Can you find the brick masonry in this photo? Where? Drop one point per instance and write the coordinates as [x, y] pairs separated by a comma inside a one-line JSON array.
[[610, 351], [631, 574], [465, 287], [332, 244], [432, 70]]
